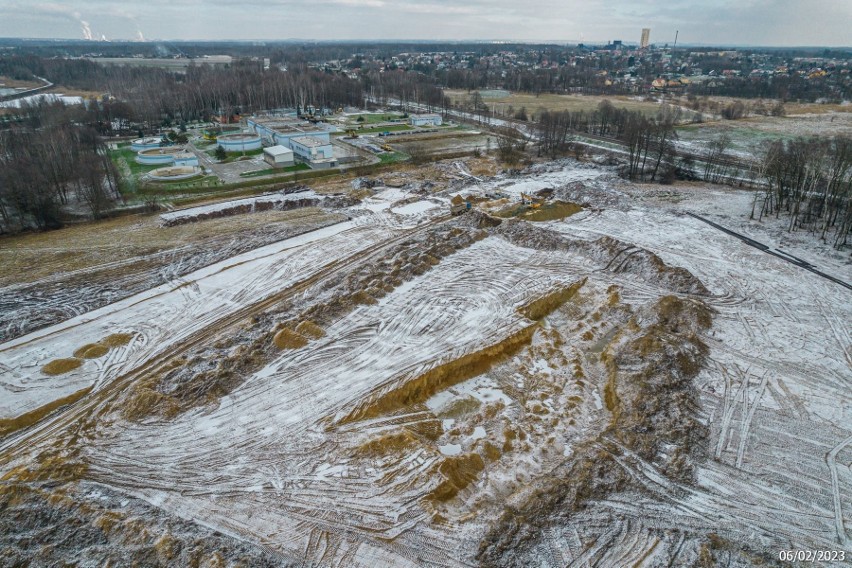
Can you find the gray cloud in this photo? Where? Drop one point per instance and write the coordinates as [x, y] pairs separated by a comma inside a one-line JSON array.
[[745, 22]]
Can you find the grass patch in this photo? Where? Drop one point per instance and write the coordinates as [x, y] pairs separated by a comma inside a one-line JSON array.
[[500, 101], [128, 156], [380, 129], [91, 351], [61, 366], [553, 211], [232, 156], [270, 171], [117, 339], [8, 425], [392, 157], [240, 153], [373, 118]]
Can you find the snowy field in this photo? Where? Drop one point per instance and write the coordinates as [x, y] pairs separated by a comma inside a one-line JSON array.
[[247, 205], [47, 98], [401, 434], [175, 311]]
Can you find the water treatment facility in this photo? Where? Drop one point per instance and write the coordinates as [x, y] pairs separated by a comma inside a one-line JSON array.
[[239, 142], [166, 156]]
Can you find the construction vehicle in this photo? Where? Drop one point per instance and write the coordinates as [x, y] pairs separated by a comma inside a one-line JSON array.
[[387, 148], [351, 133], [458, 205], [529, 200]]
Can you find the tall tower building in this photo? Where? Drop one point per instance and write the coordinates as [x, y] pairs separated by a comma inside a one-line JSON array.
[[646, 37]]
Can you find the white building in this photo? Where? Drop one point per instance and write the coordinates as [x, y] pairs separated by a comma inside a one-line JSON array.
[[425, 120], [278, 156], [315, 152]]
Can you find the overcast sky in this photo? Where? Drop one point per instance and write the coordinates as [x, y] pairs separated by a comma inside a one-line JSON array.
[[740, 22]]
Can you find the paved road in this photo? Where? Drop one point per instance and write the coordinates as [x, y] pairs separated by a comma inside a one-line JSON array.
[[774, 252]]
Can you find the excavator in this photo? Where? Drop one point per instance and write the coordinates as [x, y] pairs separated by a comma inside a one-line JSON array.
[[529, 200]]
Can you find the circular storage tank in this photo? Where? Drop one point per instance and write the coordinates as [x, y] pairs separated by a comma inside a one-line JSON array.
[[174, 173], [160, 156], [216, 131], [145, 144], [242, 142]]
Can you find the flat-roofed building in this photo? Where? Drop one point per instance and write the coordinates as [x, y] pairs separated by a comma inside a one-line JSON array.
[[278, 156], [425, 120], [280, 130], [313, 151]]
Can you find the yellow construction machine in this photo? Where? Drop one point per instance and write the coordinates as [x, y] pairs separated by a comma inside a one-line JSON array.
[[530, 200]]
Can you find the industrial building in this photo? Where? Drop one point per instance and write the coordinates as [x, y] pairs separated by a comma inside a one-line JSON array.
[[280, 130], [425, 120], [313, 151], [239, 142], [278, 156]]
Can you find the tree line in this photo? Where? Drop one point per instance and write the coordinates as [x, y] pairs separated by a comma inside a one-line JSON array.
[[648, 139], [45, 168], [809, 180]]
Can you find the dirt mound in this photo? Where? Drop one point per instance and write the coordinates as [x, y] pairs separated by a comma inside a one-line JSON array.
[[650, 391], [612, 254], [240, 207], [398, 442], [650, 364], [476, 219], [309, 329], [541, 307], [418, 389], [598, 193], [458, 472], [8, 425], [45, 524], [288, 339], [623, 258], [222, 368], [526, 235]]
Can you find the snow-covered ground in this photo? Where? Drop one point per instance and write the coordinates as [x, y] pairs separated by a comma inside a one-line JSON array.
[[46, 97], [249, 203], [276, 461], [175, 311]]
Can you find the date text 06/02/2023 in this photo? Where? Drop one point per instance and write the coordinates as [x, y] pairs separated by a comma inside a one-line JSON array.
[[812, 555]]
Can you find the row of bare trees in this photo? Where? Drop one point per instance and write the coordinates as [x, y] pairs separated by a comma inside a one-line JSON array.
[[649, 139], [810, 181], [45, 168], [154, 95]]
